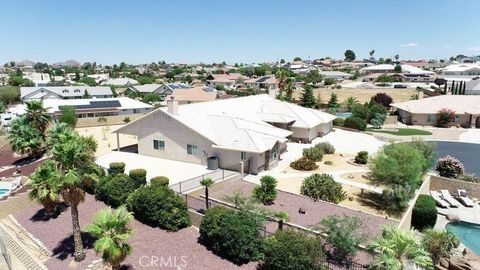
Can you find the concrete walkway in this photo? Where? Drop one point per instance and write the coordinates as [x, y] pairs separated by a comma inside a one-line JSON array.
[[468, 214]]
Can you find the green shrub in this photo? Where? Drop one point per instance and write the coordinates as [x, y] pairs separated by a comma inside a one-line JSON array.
[[339, 122], [326, 147], [114, 189], [116, 167], [427, 149], [361, 111], [313, 153], [157, 205], [139, 176], [92, 174], [266, 192], [291, 250], [355, 123], [328, 162], [469, 178], [232, 235], [424, 214], [323, 187], [361, 157], [304, 164], [160, 180]]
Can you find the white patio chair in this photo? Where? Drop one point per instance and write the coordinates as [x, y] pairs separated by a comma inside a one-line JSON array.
[[447, 197], [440, 202], [462, 194]]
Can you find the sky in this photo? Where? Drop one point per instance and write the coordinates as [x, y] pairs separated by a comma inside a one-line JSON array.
[[243, 31]]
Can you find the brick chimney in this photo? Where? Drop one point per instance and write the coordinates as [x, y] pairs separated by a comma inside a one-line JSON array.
[[172, 106]]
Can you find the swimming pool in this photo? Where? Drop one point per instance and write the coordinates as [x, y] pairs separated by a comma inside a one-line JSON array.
[[344, 115], [3, 191], [468, 233]]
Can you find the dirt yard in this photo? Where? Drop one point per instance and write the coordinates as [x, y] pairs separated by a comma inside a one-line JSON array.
[[107, 141], [339, 163], [362, 94]]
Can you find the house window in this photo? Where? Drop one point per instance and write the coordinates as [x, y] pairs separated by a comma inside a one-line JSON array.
[[273, 154], [191, 149], [158, 145], [457, 118], [431, 118], [243, 156]]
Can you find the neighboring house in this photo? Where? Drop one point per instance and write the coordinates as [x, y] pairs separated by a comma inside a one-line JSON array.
[[251, 129], [337, 75], [423, 111], [472, 87], [120, 82], [408, 74], [39, 79], [99, 78], [146, 88], [470, 69], [193, 95], [265, 82], [168, 88], [228, 80], [64, 92]]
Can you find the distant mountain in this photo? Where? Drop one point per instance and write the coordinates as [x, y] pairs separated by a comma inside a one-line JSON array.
[[69, 63], [22, 63]]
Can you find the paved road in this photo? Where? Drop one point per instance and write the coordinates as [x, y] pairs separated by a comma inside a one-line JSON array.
[[467, 153]]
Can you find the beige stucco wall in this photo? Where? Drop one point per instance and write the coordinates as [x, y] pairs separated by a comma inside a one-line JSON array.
[[312, 133], [452, 185], [406, 221], [421, 119]]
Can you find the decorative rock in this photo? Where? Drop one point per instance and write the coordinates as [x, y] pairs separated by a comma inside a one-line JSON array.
[[453, 218], [444, 263], [302, 210]]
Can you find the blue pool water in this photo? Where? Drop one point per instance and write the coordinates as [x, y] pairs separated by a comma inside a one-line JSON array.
[[468, 233], [3, 191], [344, 115]]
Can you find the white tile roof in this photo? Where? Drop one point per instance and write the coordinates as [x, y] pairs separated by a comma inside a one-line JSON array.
[[241, 123], [68, 91], [120, 81], [473, 85], [463, 67], [146, 88], [405, 69], [460, 104]]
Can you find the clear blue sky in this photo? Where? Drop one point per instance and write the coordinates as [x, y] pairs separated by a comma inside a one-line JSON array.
[[142, 31]]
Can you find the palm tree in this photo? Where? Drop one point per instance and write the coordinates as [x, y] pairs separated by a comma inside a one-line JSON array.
[[207, 183], [38, 116], [281, 76], [25, 139], [289, 88], [112, 230], [55, 133], [350, 101], [72, 154], [399, 249], [397, 57], [371, 54], [45, 188]]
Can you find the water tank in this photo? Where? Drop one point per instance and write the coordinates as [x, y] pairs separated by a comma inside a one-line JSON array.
[[212, 163]]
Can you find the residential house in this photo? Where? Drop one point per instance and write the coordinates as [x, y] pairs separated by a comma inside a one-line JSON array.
[[472, 87], [229, 80], [265, 82], [64, 92], [337, 75], [424, 111], [193, 95], [120, 81], [39, 79], [467, 69], [251, 129], [407, 74]]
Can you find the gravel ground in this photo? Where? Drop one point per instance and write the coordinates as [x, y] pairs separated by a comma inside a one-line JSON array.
[[147, 242]]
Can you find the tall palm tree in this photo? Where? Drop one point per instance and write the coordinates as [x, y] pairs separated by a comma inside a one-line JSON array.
[[45, 186], [72, 154], [25, 139], [350, 101], [38, 116], [399, 249], [112, 230], [282, 77], [289, 88], [207, 183]]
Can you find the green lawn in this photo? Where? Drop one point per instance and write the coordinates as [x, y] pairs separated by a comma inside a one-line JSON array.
[[402, 131]]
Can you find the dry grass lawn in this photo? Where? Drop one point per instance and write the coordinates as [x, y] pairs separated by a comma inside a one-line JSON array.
[[339, 163], [362, 94]]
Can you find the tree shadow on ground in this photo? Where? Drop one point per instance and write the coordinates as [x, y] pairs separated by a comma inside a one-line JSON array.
[[41, 215], [65, 248], [376, 201]]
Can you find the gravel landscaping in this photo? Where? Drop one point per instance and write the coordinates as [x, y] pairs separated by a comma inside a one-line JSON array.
[[56, 235]]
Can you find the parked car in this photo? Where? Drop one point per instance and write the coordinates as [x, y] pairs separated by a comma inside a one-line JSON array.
[[399, 86]]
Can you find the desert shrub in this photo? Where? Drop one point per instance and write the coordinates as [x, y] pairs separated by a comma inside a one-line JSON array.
[[383, 99], [266, 192], [344, 235], [92, 174], [126, 120], [378, 120], [328, 162], [304, 164], [444, 117], [338, 122], [159, 206], [326, 147], [469, 178], [116, 167], [114, 189], [361, 157], [355, 123], [292, 250], [323, 187], [160, 180], [139, 176], [232, 235], [360, 111], [440, 244], [449, 167], [396, 198], [427, 149], [313, 153], [424, 214]]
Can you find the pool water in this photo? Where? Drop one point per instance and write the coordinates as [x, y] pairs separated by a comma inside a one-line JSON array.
[[3, 191], [344, 115], [468, 233]]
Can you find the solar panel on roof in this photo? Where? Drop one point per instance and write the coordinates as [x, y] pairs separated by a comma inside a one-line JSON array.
[[96, 105], [263, 79]]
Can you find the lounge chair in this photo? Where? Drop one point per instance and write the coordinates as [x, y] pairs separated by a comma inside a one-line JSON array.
[[462, 194], [447, 197], [440, 202]]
